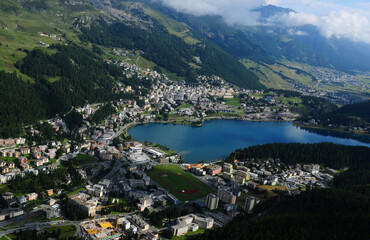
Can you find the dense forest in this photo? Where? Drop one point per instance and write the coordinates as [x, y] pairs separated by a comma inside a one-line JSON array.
[[357, 114], [44, 181], [170, 52], [19, 104], [329, 154], [78, 76], [102, 113]]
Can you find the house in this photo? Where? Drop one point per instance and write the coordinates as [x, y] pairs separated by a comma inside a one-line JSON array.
[[24, 166], [22, 160], [11, 165], [5, 170], [31, 196], [51, 201], [44, 160], [38, 163], [22, 199], [50, 192], [2, 163], [25, 150]]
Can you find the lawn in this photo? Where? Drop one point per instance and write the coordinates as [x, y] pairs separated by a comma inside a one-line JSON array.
[[232, 102], [181, 184], [75, 192], [67, 231]]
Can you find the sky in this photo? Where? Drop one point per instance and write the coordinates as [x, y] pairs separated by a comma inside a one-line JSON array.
[[334, 18]]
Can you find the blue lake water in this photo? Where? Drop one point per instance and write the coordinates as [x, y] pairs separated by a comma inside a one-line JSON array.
[[218, 138]]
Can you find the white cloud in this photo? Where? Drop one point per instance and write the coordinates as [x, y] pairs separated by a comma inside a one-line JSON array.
[[331, 18], [233, 11], [292, 31], [336, 24]]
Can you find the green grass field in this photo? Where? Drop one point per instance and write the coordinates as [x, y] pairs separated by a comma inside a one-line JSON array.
[[180, 183], [235, 102]]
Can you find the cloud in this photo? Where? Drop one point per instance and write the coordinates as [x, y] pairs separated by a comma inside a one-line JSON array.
[[340, 24], [292, 31], [233, 11], [331, 18]]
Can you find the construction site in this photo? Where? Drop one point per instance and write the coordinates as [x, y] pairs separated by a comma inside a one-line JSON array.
[[103, 228]]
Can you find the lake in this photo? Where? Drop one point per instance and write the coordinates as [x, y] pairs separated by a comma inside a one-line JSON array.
[[218, 138]]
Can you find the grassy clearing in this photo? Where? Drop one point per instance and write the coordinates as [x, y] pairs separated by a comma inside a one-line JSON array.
[[75, 192], [235, 102], [66, 231], [186, 105], [175, 28], [175, 179], [8, 159]]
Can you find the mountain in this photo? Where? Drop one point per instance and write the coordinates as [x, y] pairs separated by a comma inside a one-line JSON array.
[[270, 43], [39, 40], [269, 11]]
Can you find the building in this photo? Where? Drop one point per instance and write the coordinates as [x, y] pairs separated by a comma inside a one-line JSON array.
[[125, 223], [205, 223], [138, 221], [226, 196], [227, 176], [31, 196], [228, 168], [214, 170], [50, 192], [191, 222], [250, 202], [179, 229], [22, 199], [50, 212], [7, 195], [86, 206], [173, 199], [212, 201]]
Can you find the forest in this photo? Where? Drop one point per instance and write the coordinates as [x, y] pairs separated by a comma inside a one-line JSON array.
[[357, 114], [170, 52], [329, 154], [102, 113], [79, 76], [44, 181]]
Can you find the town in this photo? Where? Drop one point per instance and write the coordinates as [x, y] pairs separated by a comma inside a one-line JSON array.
[[105, 185]]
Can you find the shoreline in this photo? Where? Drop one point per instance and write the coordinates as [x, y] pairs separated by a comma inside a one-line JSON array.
[[301, 125], [189, 123]]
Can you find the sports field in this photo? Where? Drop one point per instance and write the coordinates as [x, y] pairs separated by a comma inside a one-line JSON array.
[[180, 183]]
